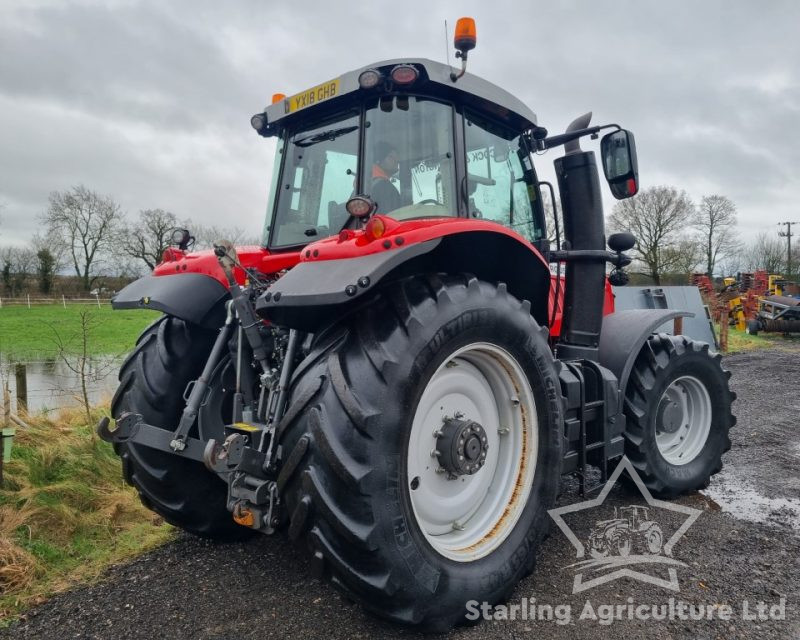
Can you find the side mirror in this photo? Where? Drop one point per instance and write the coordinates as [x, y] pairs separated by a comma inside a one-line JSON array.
[[620, 166]]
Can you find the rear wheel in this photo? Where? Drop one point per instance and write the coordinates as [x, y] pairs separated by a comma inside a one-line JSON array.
[[678, 408], [168, 355], [428, 430]]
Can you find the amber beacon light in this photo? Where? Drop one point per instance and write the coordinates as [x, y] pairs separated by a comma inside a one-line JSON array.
[[466, 37]]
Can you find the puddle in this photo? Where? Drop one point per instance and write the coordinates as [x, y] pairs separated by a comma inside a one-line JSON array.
[[52, 384], [745, 503]]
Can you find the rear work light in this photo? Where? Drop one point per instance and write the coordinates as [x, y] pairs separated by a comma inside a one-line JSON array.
[[369, 79], [404, 74], [360, 206]]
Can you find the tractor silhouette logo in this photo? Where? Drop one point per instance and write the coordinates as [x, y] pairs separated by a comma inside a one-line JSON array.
[[629, 530], [632, 538]]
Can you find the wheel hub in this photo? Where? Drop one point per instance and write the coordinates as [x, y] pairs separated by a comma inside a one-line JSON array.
[[670, 415], [461, 447]]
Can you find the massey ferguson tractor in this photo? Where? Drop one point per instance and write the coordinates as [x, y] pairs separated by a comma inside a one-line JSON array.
[[399, 376]]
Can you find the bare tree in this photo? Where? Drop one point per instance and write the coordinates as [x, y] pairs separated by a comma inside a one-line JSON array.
[[17, 265], [79, 360], [84, 223], [657, 217], [149, 236], [766, 252], [682, 258], [715, 219], [207, 236]]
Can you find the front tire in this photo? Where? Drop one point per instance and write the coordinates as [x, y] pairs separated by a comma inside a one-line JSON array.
[[168, 355], [353, 418], [678, 409]]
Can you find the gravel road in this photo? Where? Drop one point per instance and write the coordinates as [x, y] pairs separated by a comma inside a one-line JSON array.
[[744, 547]]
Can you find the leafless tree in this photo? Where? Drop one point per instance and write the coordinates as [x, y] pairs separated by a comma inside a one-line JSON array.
[[766, 252], [715, 220], [17, 264], [85, 223], [206, 236], [88, 370], [147, 238], [658, 217]]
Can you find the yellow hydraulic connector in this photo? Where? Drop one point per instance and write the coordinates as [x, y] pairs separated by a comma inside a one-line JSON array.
[[729, 282]]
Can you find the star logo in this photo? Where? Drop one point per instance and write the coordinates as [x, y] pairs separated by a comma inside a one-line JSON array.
[[611, 543]]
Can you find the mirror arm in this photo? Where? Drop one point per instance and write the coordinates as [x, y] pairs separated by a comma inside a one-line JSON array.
[[562, 138]]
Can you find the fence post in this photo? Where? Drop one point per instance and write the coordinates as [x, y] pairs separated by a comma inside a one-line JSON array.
[[63, 301], [723, 330], [21, 376], [29, 300], [97, 297]]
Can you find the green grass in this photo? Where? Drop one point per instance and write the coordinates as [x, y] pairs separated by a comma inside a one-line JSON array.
[[30, 333], [65, 512], [740, 341]]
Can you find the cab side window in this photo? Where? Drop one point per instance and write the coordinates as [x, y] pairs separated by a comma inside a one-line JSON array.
[[500, 180]]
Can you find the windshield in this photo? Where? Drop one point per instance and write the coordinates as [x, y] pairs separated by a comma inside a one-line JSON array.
[[318, 178], [500, 179], [408, 169]]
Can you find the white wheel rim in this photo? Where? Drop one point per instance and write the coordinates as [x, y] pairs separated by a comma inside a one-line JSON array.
[[689, 407], [468, 517]]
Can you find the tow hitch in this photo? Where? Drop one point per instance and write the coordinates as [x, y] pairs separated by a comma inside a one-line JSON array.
[[252, 490]]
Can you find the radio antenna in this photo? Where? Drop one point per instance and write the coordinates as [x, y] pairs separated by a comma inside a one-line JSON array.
[[446, 47]]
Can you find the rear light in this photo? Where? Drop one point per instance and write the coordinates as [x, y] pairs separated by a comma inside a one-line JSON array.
[[277, 97], [258, 121], [369, 79], [375, 229], [404, 74], [360, 206]]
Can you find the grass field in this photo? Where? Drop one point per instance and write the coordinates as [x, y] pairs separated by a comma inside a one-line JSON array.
[[29, 333], [65, 512]]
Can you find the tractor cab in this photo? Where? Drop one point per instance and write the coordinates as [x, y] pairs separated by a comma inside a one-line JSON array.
[[406, 141]]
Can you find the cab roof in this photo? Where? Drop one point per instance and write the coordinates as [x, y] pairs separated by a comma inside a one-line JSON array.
[[434, 80]]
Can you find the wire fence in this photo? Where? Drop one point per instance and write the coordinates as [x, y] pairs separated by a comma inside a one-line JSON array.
[[63, 301]]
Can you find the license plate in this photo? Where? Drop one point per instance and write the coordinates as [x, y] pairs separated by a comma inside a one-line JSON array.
[[320, 93]]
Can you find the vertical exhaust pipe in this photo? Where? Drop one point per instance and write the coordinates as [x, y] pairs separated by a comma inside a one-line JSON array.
[[584, 229]]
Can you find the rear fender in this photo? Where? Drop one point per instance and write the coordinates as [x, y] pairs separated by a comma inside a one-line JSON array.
[[193, 297], [315, 292]]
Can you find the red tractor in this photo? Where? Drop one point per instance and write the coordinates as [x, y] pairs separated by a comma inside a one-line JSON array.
[[395, 377]]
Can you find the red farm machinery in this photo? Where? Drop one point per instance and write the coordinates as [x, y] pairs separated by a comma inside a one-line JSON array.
[[395, 377]]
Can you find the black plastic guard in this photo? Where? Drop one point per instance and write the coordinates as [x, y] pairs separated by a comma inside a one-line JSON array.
[[623, 335], [305, 297], [193, 297]]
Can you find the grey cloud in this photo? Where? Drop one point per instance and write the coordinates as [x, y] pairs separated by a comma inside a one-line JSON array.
[[149, 102]]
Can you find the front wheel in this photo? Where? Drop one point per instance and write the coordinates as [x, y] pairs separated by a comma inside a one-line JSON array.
[[428, 427], [678, 409]]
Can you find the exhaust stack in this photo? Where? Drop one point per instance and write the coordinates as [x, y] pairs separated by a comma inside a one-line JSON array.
[[584, 229]]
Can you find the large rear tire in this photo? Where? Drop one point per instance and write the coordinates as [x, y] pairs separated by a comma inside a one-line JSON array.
[[359, 440], [678, 408], [168, 355]]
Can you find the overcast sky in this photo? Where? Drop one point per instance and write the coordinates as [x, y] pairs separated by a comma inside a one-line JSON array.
[[149, 102]]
